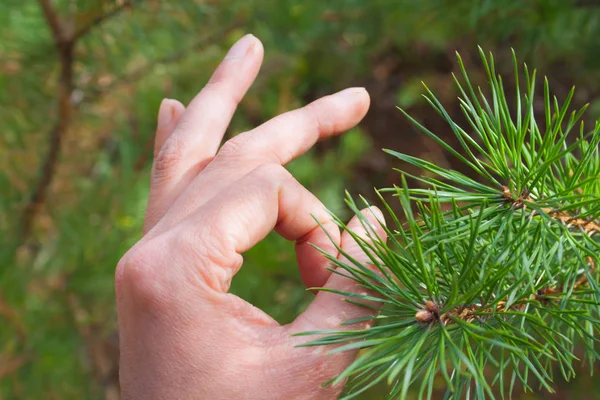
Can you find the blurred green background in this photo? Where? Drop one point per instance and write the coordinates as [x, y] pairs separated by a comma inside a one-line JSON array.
[[77, 120]]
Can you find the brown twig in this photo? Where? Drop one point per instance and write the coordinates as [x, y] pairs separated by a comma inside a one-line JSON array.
[[53, 21], [102, 18], [430, 313], [64, 44], [590, 227]]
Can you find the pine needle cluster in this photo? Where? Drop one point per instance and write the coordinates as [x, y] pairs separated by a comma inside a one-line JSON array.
[[489, 281]]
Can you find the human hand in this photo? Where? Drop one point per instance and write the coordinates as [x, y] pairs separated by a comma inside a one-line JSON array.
[[181, 334]]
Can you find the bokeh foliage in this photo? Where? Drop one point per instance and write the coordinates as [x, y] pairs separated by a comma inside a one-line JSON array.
[[57, 314]]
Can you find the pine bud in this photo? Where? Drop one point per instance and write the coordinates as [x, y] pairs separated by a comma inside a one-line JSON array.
[[424, 316]]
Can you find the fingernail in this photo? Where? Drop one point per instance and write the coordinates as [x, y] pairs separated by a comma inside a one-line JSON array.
[[374, 216], [241, 47], [353, 91], [165, 113], [376, 212]]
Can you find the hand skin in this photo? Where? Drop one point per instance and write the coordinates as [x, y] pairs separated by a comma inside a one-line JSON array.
[[182, 335]]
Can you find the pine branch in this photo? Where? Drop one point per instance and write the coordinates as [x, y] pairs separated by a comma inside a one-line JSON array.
[[502, 287], [65, 40]]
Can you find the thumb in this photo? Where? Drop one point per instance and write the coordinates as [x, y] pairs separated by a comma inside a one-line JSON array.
[[329, 310]]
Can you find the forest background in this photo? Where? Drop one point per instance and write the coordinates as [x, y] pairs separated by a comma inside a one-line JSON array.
[[80, 85]]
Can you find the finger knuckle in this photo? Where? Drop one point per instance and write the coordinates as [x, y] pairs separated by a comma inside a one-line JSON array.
[[319, 114], [234, 147], [169, 155], [271, 172], [215, 261], [137, 276]]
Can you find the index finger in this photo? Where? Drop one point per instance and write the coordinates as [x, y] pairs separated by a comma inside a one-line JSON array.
[[265, 199]]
